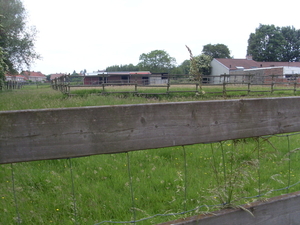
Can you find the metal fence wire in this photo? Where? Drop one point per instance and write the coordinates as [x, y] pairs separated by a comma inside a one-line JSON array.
[[150, 186]]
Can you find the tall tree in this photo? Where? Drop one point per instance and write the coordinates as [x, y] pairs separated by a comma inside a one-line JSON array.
[[266, 44], [16, 38], [270, 43], [3, 65], [156, 61], [291, 46], [216, 51]]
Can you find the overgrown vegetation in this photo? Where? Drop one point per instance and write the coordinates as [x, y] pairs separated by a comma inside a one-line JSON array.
[[162, 181]]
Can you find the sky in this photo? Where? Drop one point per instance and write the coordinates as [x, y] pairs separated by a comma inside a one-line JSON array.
[[94, 34]]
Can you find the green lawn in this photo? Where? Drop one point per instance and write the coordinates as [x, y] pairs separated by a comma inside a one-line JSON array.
[[140, 184]]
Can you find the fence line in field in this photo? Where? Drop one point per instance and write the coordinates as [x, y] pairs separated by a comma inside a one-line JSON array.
[[10, 85], [30, 135], [67, 83]]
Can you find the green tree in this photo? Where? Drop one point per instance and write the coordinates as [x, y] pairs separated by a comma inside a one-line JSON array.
[[199, 65], [266, 44], [113, 68], [16, 38], [203, 62], [74, 73], [157, 61], [185, 67], [216, 51], [270, 43], [3, 66], [291, 47], [129, 67]]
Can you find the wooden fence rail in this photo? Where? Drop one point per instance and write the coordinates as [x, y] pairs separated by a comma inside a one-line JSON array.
[[29, 135], [10, 85], [166, 82]]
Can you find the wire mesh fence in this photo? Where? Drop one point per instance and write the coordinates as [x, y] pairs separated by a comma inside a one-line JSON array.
[[150, 186]]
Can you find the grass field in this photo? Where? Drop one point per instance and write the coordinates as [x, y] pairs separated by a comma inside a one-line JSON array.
[[190, 91], [141, 184]]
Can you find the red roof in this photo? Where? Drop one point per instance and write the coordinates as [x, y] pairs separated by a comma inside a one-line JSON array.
[[32, 74], [16, 76]]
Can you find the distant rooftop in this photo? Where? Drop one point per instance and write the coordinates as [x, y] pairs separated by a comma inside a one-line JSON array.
[[235, 64]]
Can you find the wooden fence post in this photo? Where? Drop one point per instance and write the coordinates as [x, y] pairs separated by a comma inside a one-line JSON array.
[[68, 87], [250, 76], [295, 83], [168, 84], [224, 85], [272, 84]]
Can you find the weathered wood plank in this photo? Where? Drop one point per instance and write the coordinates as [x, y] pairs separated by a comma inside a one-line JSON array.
[[275, 211], [72, 132]]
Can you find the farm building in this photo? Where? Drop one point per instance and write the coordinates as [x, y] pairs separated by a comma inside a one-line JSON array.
[[273, 74], [134, 77], [263, 71]]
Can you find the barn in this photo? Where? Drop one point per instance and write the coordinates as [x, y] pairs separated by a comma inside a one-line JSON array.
[[123, 78]]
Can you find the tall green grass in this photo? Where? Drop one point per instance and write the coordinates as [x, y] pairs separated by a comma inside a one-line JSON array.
[[163, 181], [141, 184], [31, 97]]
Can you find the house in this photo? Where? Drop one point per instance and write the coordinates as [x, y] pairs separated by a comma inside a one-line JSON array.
[[18, 78], [34, 76], [124, 77], [221, 66]]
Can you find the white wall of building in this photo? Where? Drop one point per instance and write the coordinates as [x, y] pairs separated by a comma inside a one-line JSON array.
[[157, 80], [218, 68], [291, 70]]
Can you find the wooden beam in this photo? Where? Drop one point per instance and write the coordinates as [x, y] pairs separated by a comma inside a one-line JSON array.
[[278, 210], [28, 135]]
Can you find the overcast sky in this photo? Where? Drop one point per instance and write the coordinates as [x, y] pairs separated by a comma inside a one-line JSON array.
[[94, 34]]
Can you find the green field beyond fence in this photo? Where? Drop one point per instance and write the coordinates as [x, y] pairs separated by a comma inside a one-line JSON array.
[[142, 163], [164, 84]]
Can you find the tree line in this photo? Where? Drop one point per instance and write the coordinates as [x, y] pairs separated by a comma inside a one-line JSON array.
[[274, 44], [158, 61], [17, 47], [268, 43]]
